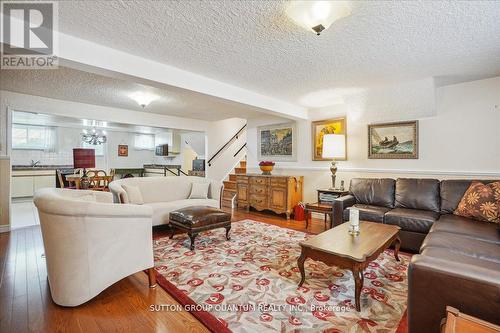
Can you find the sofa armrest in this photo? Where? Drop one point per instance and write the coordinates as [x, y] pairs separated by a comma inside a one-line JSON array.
[[339, 205], [119, 194], [216, 190], [435, 283]]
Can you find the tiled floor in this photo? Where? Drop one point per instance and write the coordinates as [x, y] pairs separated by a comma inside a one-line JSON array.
[[24, 213]]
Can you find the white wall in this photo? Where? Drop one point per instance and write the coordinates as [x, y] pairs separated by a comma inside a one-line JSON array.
[[462, 139], [218, 133]]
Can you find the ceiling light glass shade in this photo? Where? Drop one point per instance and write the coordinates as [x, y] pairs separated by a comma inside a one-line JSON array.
[[143, 98], [309, 14]]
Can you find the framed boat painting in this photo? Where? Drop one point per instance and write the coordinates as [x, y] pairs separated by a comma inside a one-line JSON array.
[[322, 127], [277, 142], [393, 140]]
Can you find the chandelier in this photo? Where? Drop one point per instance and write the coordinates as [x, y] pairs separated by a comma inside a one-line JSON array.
[[94, 138]]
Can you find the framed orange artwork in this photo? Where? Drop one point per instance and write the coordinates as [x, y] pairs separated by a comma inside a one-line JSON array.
[[322, 127], [123, 150]]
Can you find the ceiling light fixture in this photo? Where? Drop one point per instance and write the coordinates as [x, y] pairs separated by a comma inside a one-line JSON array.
[[317, 15], [143, 98], [95, 137]]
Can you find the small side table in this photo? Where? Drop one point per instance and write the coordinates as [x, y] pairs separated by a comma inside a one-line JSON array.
[[322, 206], [457, 322]]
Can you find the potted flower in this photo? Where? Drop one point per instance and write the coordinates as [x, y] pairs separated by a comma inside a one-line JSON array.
[[266, 167]]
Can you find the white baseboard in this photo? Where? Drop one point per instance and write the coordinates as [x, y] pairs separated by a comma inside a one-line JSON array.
[[4, 228]]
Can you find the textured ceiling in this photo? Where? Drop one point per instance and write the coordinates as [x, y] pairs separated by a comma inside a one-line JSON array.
[[252, 44], [84, 87]]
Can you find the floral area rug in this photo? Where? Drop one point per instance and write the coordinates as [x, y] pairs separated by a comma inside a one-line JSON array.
[[249, 284]]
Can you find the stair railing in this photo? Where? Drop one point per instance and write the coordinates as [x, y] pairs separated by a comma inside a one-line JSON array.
[[244, 145], [226, 144]]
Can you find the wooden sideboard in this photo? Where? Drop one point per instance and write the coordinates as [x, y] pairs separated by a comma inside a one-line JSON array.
[[279, 194]]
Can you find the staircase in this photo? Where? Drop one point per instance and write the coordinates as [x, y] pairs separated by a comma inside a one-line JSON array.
[[230, 185]]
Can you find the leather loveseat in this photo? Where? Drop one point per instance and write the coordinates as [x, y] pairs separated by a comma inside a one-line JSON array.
[[459, 260]]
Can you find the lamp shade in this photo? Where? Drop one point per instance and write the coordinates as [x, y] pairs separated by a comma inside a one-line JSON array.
[[83, 158], [333, 146]]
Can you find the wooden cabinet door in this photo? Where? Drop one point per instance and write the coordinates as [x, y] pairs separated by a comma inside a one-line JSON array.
[[277, 199], [242, 192]]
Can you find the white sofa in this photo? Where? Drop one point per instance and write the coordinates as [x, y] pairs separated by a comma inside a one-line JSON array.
[[91, 243], [166, 194]]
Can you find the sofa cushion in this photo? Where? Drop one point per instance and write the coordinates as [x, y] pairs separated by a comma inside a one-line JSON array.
[[462, 245], [411, 219], [373, 191], [161, 210], [199, 216], [452, 191], [481, 202], [449, 255], [468, 228], [199, 191], [368, 213], [417, 194]]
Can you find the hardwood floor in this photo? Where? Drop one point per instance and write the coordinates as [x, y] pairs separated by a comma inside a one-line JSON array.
[[26, 304]]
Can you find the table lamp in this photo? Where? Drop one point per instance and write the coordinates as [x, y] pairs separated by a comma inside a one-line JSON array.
[[84, 158], [333, 147]]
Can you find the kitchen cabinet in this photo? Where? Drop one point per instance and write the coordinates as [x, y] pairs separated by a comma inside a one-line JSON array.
[[26, 182]]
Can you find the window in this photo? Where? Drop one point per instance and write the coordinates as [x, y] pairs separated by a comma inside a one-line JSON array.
[[33, 137], [99, 149], [144, 142]]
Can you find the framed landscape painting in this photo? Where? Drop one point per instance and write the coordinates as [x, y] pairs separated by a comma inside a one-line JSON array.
[[393, 140], [322, 127], [277, 142]]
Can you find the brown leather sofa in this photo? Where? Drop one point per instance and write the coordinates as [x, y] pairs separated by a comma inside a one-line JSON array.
[[412, 204], [459, 260]]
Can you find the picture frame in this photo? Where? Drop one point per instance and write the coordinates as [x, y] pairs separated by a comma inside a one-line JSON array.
[[277, 142], [328, 126], [122, 150], [397, 140]]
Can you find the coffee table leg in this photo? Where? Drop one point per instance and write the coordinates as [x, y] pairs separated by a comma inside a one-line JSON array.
[[192, 238], [228, 228], [300, 263], [397, 245], [358, 285], [172, 232]]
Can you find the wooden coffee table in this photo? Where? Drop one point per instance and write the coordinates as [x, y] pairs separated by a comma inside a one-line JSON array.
[[336, 247]]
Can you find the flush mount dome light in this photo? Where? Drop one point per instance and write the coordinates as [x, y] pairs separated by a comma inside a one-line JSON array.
[[317, 15], [143, 98]]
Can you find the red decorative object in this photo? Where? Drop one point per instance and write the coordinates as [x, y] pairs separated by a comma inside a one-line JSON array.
[[83, 158], [299, 213], [266, 163]]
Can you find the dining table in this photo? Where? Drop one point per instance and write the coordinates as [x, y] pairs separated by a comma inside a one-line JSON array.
[[77, 179]]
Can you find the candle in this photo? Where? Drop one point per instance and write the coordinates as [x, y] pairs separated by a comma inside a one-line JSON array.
[[354, 216]]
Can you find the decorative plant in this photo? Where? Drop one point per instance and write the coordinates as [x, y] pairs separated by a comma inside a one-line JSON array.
[[266, 163]]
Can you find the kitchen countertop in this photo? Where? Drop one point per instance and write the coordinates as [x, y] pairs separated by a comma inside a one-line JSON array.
[[40, 167]]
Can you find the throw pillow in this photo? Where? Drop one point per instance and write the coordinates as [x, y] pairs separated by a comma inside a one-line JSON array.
[[199, 191], [134, 194], [481, 202]]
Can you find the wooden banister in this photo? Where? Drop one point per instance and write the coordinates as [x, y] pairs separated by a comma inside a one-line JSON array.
[[225, 145]]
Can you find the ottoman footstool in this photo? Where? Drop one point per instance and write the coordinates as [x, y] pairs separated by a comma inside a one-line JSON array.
[[196, 219]]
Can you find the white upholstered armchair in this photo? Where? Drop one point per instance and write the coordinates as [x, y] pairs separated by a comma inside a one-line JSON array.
[[91, 243]]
